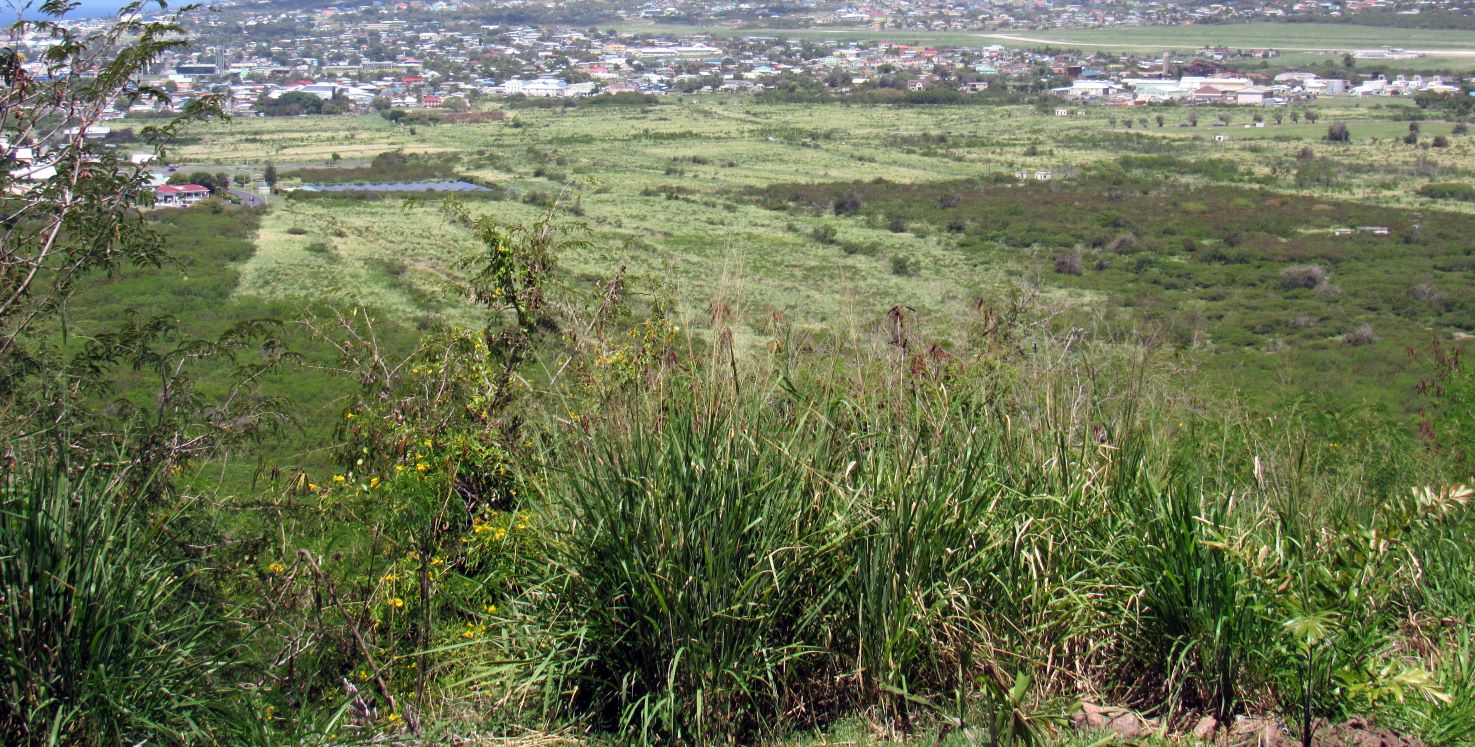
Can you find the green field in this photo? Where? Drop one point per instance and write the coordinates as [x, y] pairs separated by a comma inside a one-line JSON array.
[[666, 193]]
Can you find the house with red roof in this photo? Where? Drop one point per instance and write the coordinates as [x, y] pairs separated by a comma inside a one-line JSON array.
[[179, 195]]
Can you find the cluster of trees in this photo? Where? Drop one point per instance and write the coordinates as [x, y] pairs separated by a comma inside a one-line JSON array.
[[1457, 104], [216, 182], [295, 103]]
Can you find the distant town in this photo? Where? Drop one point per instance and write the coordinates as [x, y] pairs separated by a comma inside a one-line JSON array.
[[263, 59]]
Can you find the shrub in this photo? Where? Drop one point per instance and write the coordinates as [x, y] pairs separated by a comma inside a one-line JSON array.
[[1302, 276], [1426, 293], [1071, 263], [902, 265], [848, 204], [1362, 335], [1123, 243], [297, 231], [1448, 191]]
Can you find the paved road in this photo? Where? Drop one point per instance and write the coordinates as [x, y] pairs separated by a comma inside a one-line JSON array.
[[249, 199]]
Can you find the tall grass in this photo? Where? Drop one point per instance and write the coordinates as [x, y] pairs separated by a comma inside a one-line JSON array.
[[821, 541], [99, 641]]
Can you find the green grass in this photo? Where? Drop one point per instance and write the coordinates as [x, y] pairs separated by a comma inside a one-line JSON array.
[[661, 190]]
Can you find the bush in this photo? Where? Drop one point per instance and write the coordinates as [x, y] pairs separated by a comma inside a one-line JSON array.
[[902, 266], [1071, 263], [1449, 191], [848, 204], [1123, 243], [1302, 276], [1362, 335], [824, 234]]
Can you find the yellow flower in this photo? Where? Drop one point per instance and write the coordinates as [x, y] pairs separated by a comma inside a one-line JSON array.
[[480, 527], [436, 561], [276, 569], [499, 533], [396, 602], [428, 443], [374, 482], [390, 578], [394, 718], [339, 479], [491, 609], [349, 416], [312, 486], [398, 468], [421, 467]]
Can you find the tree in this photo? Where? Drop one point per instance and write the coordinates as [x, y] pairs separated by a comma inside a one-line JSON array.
[[1160, 119], [1338, 133], [290, 104], [72, 212], [1193, 119], [204, 179], [1440, 141], [1295, 117], [269, 175], [848, 204], [1311, 116], [101, 465]]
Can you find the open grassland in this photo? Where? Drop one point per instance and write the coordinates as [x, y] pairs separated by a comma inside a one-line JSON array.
[[664, 193]]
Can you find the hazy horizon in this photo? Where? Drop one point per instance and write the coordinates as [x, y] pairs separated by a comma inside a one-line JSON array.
[[84, 9]]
